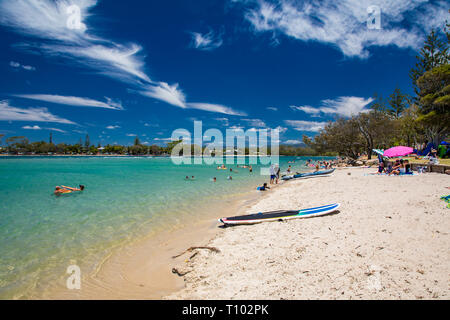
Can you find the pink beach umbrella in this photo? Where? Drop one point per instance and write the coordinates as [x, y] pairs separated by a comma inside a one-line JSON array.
[[398, 151]]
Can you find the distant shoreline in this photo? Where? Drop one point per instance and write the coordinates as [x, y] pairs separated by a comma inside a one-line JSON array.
[[130, 155]]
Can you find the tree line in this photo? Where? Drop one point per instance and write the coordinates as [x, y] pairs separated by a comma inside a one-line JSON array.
[[400, 119], [21, 145]]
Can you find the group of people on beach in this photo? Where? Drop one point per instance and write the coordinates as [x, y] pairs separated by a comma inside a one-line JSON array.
[[320, 164], [400, 167]]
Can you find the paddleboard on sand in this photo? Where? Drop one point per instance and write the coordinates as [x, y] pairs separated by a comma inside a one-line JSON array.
[[308, 174], [281, 215]]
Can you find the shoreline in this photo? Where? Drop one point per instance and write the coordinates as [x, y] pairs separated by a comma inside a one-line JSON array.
[[389, 240], [142, 269]]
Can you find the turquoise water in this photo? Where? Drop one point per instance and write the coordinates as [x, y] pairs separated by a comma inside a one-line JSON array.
[[125, 197]]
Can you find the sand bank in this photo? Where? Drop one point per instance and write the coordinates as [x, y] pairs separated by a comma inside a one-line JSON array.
[[390, 240]]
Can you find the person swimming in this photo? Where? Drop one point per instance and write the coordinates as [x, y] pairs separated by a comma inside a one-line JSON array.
[[230, 178], [64, 189]]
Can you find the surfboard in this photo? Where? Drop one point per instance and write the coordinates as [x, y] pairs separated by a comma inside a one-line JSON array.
[[308, 174], [281, 215]]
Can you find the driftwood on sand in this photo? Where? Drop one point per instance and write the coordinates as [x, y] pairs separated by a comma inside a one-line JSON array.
[[214, 249]]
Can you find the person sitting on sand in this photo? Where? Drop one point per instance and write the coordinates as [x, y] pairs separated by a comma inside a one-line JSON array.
[[407, 167], [381, 168], [398, 167]]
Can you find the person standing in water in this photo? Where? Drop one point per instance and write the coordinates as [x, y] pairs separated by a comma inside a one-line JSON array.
[[272, 173], [277, 173]]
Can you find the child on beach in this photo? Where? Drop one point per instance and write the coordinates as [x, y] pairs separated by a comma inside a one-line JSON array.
[[263, 188]]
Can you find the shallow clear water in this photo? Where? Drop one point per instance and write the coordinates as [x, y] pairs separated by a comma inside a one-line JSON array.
[[41, 234]]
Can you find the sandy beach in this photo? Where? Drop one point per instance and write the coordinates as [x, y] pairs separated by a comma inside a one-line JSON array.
[[389, 240]]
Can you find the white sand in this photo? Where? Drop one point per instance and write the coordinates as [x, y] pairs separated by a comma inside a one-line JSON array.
[[390, 240]]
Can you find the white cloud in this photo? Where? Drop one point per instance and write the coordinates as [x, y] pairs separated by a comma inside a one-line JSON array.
[[47, 20], [307, 109], [301, 125], [167, 93], [18, 65], [131, 135], [56, 129], [163, 139], [73, 101], [112, 127], [342, 106], [281, 129], [32, 128], [255, 122], [206, 42], [272, 108], [292, 142], [343, 24], [10, 113], [215, 108], [345, 106]]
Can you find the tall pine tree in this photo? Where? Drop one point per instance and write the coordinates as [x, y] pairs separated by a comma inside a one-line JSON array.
[[434, 53], [398, 103]]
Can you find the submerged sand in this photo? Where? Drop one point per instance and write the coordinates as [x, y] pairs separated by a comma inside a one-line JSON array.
[[390, 240]]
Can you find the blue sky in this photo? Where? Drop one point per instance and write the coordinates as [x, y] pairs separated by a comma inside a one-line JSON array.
[[147, 68]]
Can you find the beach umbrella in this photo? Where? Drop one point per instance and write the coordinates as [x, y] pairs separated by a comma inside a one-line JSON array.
[[398, 151]]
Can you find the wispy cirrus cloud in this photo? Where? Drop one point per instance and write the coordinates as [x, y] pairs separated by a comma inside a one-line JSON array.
[[73, 101], [18, 65], [170, 94], [307, 109], [345, 106], [47, 21], [301, 125], [218, 108], [206, 42], [11, 113], [341, 106], [343, 23]]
